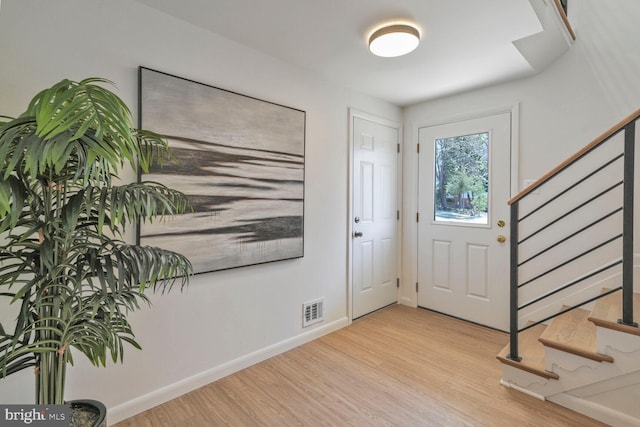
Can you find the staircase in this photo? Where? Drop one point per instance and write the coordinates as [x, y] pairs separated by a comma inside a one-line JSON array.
[[574, 337], [583, 360]]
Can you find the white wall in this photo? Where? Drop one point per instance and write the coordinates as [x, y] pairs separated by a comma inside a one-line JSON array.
[[585, 92], [226, 320]]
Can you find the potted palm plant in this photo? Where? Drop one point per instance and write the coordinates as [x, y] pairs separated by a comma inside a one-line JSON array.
[[63, 260]]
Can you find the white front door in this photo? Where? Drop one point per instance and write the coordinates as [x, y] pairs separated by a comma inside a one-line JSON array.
[[374, 216], [463, 230]]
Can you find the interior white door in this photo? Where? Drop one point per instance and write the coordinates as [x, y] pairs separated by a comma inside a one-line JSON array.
[[463, 230], [374, 221]]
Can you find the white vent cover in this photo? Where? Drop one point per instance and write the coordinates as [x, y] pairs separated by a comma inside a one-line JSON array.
[[312, 312]]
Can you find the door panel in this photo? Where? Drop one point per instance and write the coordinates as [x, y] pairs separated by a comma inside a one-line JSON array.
[[441, 264], [366, 200], [477, 271], [374, 223], [366, 265], [464, 185]]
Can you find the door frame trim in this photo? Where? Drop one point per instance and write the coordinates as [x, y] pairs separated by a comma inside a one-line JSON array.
[[514, 110], [353, 114]]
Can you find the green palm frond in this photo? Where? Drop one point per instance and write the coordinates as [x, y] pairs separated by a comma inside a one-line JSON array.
[[76, 283], [153, 149], [80, 107]]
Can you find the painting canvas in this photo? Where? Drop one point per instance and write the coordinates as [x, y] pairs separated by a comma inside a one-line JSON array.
[[240, 161]]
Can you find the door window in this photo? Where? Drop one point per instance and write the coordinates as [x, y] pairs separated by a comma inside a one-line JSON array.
[[461, 192]]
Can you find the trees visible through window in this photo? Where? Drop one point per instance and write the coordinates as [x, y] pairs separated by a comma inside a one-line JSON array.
[[462, 178]]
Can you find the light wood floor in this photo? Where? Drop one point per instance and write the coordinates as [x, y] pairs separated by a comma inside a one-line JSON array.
[[396, 367]]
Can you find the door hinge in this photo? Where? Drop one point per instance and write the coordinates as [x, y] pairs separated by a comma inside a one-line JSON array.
[[398, 148], [416, 287], [397, 282], [417, 216], [418, 148], [398, 215]]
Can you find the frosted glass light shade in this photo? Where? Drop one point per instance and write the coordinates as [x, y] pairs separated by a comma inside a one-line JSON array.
[[394, 40]]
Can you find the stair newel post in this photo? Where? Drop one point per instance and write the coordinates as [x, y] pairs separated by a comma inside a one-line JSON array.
[[513, 279], [627, 224]]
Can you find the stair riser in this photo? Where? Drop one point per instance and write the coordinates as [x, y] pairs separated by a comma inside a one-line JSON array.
[[578, 372], [608, 339], [568, 361], [569, 380]]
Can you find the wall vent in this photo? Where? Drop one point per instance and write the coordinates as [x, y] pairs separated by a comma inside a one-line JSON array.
[[312, 312]]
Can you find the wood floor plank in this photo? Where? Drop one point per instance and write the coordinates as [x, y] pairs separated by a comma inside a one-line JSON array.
[[397, 367]]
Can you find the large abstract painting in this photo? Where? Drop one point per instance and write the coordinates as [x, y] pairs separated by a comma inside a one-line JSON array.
[[240, 161]]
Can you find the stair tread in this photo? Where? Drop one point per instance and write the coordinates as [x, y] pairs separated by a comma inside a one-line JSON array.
[[608, 310], [532, 352], [573, 333]]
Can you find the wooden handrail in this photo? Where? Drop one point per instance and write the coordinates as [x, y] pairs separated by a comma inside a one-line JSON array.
[[599, 140], [565, 19]]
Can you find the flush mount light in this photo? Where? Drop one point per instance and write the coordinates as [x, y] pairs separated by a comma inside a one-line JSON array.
[[394, 40]]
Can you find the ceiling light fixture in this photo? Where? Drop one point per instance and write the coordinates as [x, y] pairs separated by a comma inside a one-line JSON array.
[[394, 40]]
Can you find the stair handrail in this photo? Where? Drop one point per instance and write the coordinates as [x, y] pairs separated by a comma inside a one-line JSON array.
[[561, 5], [577, 155], [627, 125]]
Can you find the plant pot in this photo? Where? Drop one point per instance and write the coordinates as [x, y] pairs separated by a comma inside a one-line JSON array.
[[88, 413]]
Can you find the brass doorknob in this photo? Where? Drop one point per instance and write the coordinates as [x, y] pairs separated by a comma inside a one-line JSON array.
[[501, 238]]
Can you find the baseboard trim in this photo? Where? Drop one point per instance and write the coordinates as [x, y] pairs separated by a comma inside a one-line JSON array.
[[595, 411], [407, 301], [164, 394], [508, 384]]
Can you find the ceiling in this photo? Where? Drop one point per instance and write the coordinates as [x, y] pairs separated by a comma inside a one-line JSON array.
[[466, 44]]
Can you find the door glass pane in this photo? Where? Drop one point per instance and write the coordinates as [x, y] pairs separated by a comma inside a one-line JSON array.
[[461, 192]]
